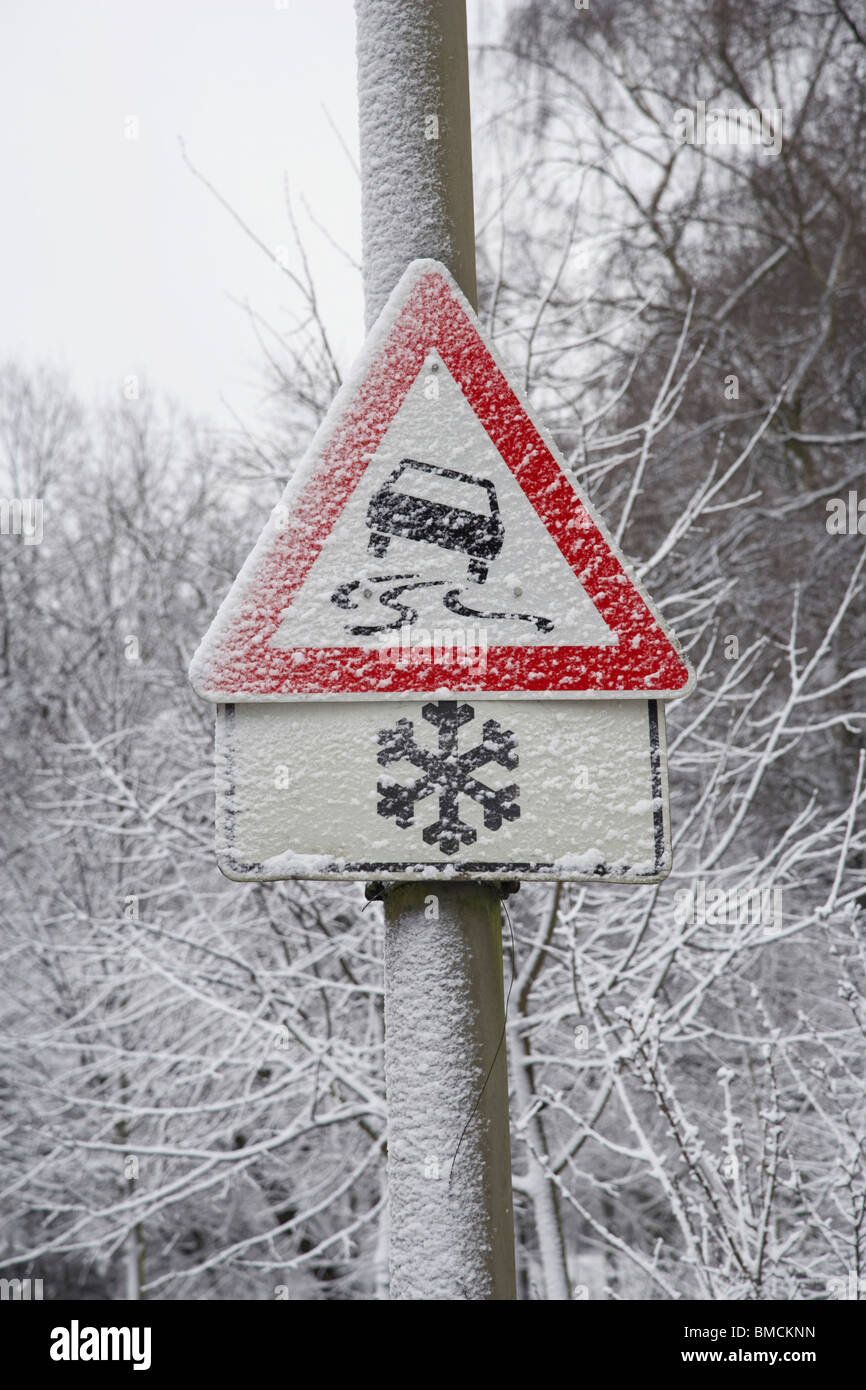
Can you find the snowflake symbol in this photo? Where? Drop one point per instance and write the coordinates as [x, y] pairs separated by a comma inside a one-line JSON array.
[[449, 773]]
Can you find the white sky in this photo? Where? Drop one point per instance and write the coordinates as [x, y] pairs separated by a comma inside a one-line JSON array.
[[115, 259]]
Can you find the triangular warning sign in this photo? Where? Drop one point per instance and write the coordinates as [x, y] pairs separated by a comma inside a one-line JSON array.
[[431, 542]]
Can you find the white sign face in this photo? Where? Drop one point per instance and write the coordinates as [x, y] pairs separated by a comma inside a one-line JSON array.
[[557, 789]]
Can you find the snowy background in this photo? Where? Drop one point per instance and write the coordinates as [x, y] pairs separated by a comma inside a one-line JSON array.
[[192, 1070]]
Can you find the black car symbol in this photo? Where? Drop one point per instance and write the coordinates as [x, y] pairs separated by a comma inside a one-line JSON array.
[[395, 510]]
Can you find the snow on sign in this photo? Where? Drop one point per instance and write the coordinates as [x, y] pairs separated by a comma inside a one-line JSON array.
[[530, 789], [429, 503], [435, 661]]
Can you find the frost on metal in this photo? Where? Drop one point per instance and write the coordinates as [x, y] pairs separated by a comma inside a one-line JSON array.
[[444, 1238], [415, 150], [526, 788]]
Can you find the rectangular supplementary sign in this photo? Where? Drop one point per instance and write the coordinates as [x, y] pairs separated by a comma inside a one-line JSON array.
[[558, 789]]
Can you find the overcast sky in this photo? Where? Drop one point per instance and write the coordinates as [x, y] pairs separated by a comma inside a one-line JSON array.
[[115, 258]]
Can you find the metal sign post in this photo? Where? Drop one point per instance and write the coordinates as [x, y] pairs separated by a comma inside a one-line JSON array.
[[452, 1224]]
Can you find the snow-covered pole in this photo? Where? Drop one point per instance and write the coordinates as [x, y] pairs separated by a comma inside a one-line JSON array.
[[451, 1219], [416, 147], [452, 1227]]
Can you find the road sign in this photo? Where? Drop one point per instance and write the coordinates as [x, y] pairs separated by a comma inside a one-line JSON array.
[[430, 503], [435, 661], [530, 789]]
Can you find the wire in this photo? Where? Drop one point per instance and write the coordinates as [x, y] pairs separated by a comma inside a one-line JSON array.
[[498, 1047]]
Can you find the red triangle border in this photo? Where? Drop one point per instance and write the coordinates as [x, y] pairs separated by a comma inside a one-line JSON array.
[[236, 661]]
